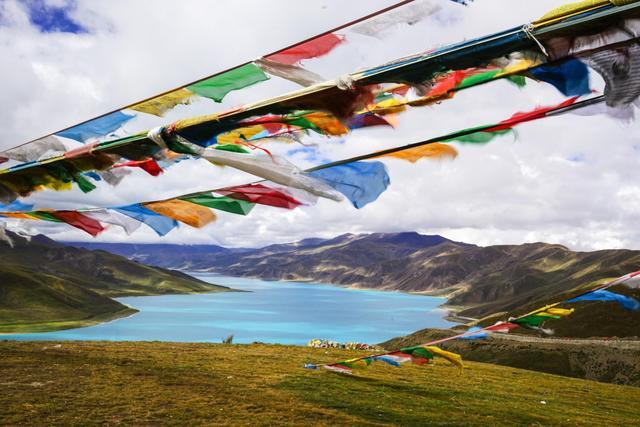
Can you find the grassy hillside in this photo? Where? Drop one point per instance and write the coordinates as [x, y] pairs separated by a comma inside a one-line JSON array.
[[188, 384], [34, 302], [48, 286]]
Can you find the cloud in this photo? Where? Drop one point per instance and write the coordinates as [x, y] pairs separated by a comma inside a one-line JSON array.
[[568, 179]]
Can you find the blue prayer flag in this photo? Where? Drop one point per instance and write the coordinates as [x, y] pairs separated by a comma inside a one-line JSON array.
[[361, 182], [159, 223], [97, 128], [469, 335], [603, 295], [570, 77], [16, 206]]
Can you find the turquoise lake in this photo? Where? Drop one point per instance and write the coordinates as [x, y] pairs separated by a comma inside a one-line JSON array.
[[272, 312]]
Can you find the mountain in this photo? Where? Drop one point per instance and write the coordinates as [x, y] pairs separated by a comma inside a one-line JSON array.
[[46, 285], [478, 281]]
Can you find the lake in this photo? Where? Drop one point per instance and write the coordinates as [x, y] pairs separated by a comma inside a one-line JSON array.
[[272, 312]]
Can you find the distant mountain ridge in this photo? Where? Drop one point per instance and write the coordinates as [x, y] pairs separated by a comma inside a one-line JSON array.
[[483, 281]]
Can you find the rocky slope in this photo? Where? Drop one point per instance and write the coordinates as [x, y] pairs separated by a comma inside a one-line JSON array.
[[45, 285]]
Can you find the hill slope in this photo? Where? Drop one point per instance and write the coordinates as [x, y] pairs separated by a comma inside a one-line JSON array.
[[45, 285], [192, 384]]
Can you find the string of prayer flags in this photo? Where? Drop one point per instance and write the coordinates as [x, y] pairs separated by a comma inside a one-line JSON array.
[[423, 353], [240, 132]]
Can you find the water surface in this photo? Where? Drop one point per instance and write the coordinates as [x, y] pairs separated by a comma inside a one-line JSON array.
[[273, 312]]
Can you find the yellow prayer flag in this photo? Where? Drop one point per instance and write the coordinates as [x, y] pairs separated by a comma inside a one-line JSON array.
[[161, 104], [454, 358], [559, 311]]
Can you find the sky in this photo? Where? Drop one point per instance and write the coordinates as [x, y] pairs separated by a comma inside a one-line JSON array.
[[571, 179]]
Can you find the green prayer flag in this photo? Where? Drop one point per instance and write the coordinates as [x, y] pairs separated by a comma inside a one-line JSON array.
[[232, 147], [417, 351], [217, 87], [222, 203], [535, 320], [479, 137], [519, 81], [477, 79], [84, 184], [480, 78], [45, 216]]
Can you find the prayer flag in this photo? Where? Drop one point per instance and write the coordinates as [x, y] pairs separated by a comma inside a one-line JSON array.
[[314, 48], [222, 203], [80, 221], [628, 303], [194, 215], [260, 194], [217, 87], [96, 128], [361, 182], [159, 223], [570, 77]]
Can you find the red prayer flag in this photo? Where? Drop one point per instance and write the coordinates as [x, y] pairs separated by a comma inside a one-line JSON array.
[[150, 166], [261, 194], [520, 117], [78, 220], [312, 49]]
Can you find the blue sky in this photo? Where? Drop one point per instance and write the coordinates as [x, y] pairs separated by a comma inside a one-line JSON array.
[[51, 18]]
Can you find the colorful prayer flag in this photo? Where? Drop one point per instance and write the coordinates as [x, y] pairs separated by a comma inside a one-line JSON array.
[[217, 87]]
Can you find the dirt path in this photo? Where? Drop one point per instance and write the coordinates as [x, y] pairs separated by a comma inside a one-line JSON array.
[[623, 344]]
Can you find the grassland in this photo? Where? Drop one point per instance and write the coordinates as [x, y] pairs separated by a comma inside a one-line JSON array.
[[91, 383]]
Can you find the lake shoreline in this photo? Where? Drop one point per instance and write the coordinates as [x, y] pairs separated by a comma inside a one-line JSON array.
[[282, 312]]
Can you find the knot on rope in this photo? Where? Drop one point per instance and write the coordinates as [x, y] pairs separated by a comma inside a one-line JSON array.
[[528, 30], [155, 135], [345, 82]]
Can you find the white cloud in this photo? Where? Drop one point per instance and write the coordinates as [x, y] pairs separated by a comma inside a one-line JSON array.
[[570, 179]]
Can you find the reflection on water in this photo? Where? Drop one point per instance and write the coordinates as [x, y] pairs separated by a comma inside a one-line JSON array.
[[274, 312]]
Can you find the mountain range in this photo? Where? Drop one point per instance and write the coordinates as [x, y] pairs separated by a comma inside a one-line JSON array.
[[493, 281], [47, 285]]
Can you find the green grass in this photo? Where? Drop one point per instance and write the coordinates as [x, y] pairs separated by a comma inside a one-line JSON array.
[[90, 383]]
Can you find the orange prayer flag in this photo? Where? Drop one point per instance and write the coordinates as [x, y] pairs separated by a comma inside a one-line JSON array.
[[188, 213], [432, 151]]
